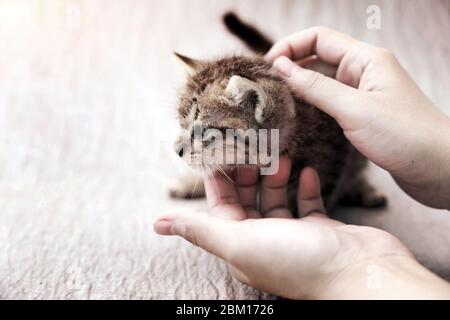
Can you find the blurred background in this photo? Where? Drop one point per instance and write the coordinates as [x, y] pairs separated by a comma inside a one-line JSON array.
[[88, 91]]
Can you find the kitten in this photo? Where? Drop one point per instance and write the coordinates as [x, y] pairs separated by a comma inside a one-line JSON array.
[[239, 92]]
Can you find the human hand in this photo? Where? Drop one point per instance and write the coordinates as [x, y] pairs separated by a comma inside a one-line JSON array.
[[311, 257], [381, 110]]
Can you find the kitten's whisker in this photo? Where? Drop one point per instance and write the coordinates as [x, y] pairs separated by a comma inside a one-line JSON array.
[[194, 188], [212, 176], [219, 168]]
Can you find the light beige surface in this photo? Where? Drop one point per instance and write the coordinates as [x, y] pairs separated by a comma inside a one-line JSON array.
[[86, 123]]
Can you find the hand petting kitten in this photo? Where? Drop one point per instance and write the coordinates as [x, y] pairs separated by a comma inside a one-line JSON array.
[[390, 121], [382, 111]]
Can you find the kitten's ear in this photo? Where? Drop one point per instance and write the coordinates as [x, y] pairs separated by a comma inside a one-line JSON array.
[[192, 65], [239, 89]]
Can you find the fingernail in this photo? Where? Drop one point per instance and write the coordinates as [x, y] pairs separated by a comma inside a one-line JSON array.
[[163, 227], [284, 65]]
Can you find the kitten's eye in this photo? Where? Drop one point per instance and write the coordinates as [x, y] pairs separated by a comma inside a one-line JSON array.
[[194, 99]]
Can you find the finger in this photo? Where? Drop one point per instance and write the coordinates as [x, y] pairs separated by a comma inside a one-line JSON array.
[[222, 196], [246, 178], [333, 97], [310, 203], [309, 199], [314, 64], [273, 193], [329, 45], [217, 236]]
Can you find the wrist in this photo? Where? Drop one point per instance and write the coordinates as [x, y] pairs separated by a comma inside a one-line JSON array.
[[427, 180], [395, 277]]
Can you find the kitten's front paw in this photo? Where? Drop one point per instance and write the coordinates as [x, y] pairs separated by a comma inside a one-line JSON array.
[[364, 197], [373, 199], [182, 194], [187, 189]]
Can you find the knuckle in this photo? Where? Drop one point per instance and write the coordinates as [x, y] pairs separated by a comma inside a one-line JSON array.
[[320, 29], [385, 54], [190, 235], [314, 80]]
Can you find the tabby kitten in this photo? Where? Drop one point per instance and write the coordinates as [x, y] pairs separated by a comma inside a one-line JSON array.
[[239, 92]]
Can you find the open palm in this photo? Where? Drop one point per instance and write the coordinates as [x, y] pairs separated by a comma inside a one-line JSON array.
[[266, 247]]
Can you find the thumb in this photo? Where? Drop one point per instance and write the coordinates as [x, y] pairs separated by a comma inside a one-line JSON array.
[[213, 234], [333, 97]]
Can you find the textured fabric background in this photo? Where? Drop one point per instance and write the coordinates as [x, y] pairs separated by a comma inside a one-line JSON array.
[[87, 100]]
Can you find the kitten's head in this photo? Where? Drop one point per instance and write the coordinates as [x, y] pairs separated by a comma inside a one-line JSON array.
[[230, 93]]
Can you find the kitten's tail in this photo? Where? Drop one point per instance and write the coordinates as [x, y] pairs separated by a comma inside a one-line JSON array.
[[254, 39]]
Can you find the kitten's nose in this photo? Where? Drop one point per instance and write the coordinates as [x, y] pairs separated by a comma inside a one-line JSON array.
[[179, 149]]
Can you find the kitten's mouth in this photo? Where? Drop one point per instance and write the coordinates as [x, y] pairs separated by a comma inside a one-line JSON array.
[[205, 164], [212, 165]]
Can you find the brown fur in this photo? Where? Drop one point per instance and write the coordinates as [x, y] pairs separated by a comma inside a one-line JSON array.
[[310, 137]]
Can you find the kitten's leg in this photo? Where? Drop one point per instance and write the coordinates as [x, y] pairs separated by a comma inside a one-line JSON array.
[[361, 193], [189, 186], [353, 189]]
